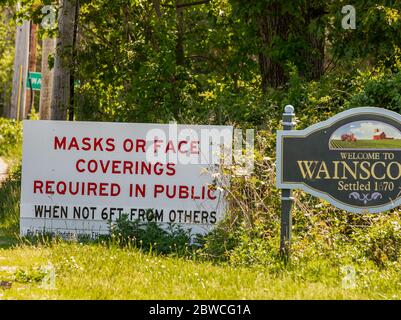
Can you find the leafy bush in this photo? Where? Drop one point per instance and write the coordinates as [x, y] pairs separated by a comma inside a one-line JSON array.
[[381, 242], [150, 236], [10, 201], [10, 138], [31, 275], [322, 235], [379, 88]]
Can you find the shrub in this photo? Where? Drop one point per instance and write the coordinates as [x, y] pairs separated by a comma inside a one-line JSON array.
[[10, 138], [10, 201], [378, 88], [250, 233], [381, 242], [150, 236]]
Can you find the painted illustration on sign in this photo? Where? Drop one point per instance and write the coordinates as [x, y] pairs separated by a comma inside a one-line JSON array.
[[352, 160], [361, 135]]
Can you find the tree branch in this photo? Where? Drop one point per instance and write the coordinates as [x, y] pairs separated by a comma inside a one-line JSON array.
[[183, 5], [192, 4]]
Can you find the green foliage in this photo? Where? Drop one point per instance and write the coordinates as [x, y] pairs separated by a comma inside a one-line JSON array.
[[30, 275], [7, 26], [217, 244], [323, 237], [381, 242], [379, 88], [6, 57], [376, 37], [252, 218], [11, 149], [137, 65], [150, 236], [255, 248], [10, 138], [132, 71], [10, 191]]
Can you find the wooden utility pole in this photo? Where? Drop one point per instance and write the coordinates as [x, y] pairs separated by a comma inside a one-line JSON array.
[[20, 70], [9, 34], [63, 62], [30, 94], [48, 48]]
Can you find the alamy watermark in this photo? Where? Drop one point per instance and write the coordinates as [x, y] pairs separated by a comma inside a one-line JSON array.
[[206, 146], [349, 20], [49, 18], [349, 278], [49, 280]]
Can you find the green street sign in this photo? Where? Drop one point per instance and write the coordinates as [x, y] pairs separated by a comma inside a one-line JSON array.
[[34, 79]]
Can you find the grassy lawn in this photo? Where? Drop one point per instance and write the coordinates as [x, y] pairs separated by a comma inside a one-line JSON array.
[[95, 271], [100, 272]]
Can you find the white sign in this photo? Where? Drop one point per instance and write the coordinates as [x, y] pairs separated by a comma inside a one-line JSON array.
[[77, 176]]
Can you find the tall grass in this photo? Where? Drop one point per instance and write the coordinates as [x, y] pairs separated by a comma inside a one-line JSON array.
[[10, 202], [111, 272], [11, 151], [335, 254]]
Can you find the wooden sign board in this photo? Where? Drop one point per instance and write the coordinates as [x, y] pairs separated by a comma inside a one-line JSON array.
[[79, 176], [352, 160]]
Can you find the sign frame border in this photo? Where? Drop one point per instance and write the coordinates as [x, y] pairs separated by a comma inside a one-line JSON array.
[[321, 125]]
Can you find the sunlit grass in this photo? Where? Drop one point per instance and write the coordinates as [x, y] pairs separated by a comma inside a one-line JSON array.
[[100, 272]]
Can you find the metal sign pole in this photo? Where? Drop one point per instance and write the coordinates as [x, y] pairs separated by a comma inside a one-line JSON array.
[[286, 195]]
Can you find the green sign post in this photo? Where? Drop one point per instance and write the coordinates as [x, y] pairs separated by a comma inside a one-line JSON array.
[[34, 80]]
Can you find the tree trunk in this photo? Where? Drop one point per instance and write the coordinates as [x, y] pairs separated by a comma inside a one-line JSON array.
[[74, 56], [31, 68], [20, 71], [272, 24], [48, 49], [179, 49], [63, 62], [6, 19], [314, 57]]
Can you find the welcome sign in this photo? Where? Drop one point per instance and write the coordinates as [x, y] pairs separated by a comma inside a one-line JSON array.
[[352, 160], [79, 176]]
